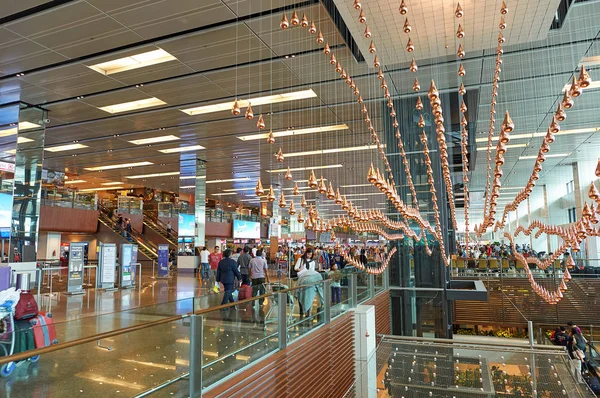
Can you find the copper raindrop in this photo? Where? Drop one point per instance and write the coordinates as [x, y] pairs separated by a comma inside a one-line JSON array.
[[320, 38], [288, 174], [312, 29], [327, 50], [271, 138], [261, 122], [419, 104], [409, 46], [295, 20], [501, 38], [332, 59], [461, 89], [367, 32], [362, 18], [584, 78], [372, 48], [567, 101], [304, 21], [461, 70], [413, 66], [376, 62], [502, 25], [459, 11], [259, 190], [416, 85], [503, 9], [406, 26], [461, 52], [271, 194], [249, 114], [284, 24], [460, 33], [574, 90], [403, 9], [235, 110], [357, 5], [279, 156]]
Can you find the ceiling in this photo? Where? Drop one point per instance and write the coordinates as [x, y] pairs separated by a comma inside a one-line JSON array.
[[227, 49]]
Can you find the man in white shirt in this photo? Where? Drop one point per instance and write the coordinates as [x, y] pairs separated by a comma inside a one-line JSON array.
[[205, 271], [259, 272], [254, 249]]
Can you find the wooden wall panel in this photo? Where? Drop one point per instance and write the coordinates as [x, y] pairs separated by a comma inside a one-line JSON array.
[[382, 313], [60, 219], [318, 365]]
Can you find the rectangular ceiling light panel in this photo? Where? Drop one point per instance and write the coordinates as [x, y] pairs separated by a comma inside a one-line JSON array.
[[132, 105], [287, 133], [133, 62], [269, 99], [68, 147], [154, 140], [182, 149], [169, 173], [333, 150], [118, 166], [331, 166]]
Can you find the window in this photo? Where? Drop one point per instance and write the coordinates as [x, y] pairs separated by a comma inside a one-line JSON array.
[[572, 214], [570, 186]]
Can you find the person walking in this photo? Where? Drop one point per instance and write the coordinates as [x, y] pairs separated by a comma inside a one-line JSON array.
[[308, 275], [259, 272], [226, 273], [169, 229], [214, 259], [243, 263], [336, 287], [204, 265]]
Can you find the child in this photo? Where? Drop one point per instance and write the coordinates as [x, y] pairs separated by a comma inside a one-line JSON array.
[[336, 289]]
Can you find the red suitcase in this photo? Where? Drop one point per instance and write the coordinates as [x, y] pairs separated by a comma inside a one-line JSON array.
[[44, 332], [245, 292]]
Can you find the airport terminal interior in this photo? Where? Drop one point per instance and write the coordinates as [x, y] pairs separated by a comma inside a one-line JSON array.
[[300, 198]]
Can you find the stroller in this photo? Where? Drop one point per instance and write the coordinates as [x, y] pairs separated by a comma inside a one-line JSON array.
[[272, 315]]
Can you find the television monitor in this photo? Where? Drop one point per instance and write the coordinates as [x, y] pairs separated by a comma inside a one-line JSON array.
[[246, 229], [6, 210], [187, 225]]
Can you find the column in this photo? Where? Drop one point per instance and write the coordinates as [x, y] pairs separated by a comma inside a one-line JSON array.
[[29, 159], [365, 363], [192, 207], [9, 117]]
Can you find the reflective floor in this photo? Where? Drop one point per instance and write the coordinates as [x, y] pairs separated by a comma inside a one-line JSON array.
[[130, 364]]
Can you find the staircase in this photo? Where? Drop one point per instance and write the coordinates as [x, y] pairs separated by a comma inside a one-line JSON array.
[[152, 222], [145, 246]]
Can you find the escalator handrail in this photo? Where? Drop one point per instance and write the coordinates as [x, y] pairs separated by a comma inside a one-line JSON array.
[[135, 235]]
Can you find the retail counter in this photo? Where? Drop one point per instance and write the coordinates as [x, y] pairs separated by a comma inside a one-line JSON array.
[[187, 263]]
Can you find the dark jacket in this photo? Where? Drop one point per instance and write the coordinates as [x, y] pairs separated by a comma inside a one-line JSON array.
[[227, 270]]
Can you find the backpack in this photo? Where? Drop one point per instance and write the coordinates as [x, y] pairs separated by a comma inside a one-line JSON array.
[[26, 307]]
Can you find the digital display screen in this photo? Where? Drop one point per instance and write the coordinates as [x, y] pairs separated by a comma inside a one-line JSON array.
[[187, 225], [4, 233], [246, 229], [6, 207]]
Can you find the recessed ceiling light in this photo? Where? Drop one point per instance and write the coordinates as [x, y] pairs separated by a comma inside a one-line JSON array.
[[192, 177], [23, 140], [68, 182], [269, 99], [111, 183], [11, 151], [133, 62], [154, 140], [27, 126], [169, 173], [132, 105], [68, 147], [548, 155], [118, 166], [332, 150], [331, 166], [223, 194], [285, 133], [239, 189], [182, 149]]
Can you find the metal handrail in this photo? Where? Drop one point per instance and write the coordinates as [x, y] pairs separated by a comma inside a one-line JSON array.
[[100, 336]]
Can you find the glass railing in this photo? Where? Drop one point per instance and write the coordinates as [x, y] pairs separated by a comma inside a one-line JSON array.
[[493, 267], [69, 200], [180, 346]]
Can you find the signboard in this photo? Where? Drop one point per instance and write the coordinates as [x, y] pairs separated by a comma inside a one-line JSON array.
[[108, 265], [163, 261], [246, 229], [8, 167], [75, 271], [186, 225], [127, 273], [275, 230], [6, 208]]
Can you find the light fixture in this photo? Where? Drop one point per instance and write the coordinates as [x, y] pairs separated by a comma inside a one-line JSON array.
[[192, 177], [356, 185], [229, 180], [553, 155], [75, 182], [239, 189], [132, 105], [169, 173], [507, 147], [111, 183], [100, 189], [187, 187], [118, 166], [223, 194], [333, 150], [61, 148], [286, 133], [27, 126], [154, 140], [23, 140], [182, 149], [133, 62], [331, 166], [269, 99]]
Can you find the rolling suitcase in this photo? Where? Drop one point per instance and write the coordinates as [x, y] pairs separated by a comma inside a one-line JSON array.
[[44, 332], [24, 340], [245, 292]]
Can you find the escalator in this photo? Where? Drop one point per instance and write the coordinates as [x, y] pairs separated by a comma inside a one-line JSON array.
[[151, 221], [145, 246]]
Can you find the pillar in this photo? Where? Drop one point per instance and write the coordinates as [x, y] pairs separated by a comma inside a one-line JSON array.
[[365, 361], [193, 184]]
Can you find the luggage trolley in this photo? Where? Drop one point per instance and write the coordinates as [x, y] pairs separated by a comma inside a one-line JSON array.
[[271, 316], [8, 334]]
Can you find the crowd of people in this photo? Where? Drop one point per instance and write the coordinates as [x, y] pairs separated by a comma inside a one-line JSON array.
[[572, 338], [248, 266]]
